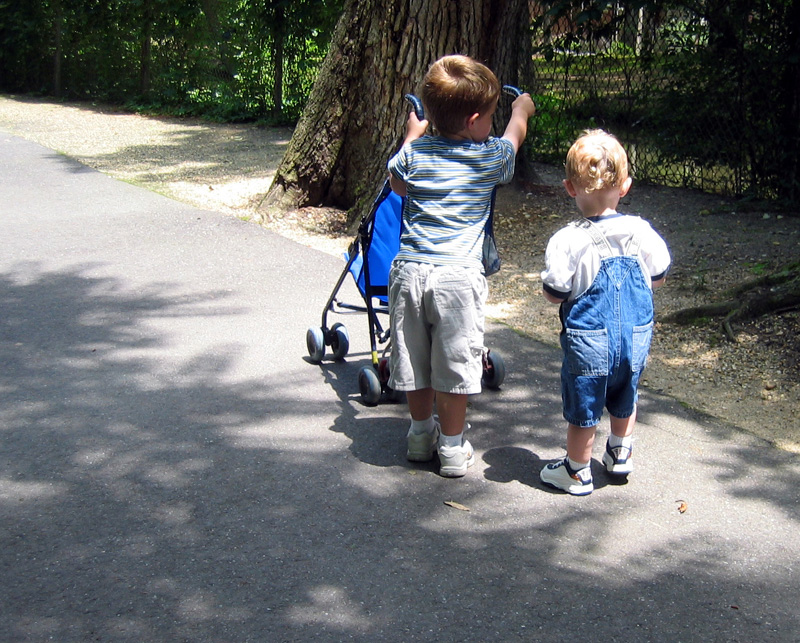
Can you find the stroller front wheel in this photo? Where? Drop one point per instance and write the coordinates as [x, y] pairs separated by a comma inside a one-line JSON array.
[[340, 341], [315, 343]]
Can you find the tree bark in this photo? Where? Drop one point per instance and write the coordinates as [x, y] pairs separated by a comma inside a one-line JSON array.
[[355, 116]]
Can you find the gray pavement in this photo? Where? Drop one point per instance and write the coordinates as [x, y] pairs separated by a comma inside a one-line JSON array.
[[173, 469]]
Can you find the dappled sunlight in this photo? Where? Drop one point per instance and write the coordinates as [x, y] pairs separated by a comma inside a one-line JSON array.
[[18, 491], [173, 469], [332, 608], [183, 158], [226, 194], [502, 310], [698, 367]]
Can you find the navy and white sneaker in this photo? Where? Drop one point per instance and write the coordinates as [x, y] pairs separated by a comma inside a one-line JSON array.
[[562, 476], [618, 460]]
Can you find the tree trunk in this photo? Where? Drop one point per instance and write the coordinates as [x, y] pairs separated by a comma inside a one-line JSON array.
[[355, 116]]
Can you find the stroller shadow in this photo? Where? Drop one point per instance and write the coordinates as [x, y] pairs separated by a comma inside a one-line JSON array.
[[513, 464], [377, 433]]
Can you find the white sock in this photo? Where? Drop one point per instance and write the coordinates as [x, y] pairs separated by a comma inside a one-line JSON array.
[[419, 427], [450, 440], [576, 466], [616, 441]]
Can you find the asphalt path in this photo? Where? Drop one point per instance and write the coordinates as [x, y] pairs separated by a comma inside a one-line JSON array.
[[172, 468]]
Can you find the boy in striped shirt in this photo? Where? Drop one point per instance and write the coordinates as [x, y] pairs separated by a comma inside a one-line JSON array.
[[437, 289]]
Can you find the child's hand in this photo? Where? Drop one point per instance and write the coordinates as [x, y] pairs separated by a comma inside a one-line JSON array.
[[415, 128], [525, 103]]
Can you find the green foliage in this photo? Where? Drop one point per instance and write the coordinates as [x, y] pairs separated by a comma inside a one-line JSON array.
[[228, 60], [552, 129], [758, 268]]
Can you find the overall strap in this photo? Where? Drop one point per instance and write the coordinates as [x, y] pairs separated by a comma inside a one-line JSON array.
[[598, 238], [602, 244], [634, 244]]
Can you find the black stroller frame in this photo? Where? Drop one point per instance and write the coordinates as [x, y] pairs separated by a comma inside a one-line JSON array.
[[372, 283], [372, 380]]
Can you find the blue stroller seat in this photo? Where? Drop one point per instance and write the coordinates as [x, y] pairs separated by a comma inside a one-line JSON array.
[[382, 247]]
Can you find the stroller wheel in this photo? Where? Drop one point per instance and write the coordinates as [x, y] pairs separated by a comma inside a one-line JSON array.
[[383, 375], [340, 341], [369, 385], [315, 342], [494, 370]]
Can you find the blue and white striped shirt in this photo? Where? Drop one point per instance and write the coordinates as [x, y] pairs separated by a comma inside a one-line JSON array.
[[450, 185]]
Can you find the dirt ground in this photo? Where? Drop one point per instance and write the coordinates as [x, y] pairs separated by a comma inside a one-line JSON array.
[[752, 382]]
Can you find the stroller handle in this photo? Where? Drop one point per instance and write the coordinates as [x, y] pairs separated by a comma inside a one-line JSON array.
[[512, 91], [416, 104]]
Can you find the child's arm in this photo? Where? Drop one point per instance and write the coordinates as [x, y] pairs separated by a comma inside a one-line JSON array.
[[398, 186], [521, 110], [415, 128], [552, 298]]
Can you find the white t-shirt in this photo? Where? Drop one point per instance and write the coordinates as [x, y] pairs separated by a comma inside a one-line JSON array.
[[572, 262]]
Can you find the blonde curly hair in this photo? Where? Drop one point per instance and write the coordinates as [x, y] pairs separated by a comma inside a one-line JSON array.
[[597, 161]]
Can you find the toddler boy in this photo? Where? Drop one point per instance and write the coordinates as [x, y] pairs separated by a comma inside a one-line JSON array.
[[602, 271]]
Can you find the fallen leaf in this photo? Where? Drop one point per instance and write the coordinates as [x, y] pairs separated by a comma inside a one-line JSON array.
[[682, 507], [456, 505]]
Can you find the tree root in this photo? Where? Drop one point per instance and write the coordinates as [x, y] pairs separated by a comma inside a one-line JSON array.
[[775, 293]]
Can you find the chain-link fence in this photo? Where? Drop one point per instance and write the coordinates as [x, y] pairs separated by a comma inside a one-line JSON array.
[[680, 95]]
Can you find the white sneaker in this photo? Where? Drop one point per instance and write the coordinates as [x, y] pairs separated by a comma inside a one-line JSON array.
[[618, 460], [422, 446], [454, 461], [561, 476]]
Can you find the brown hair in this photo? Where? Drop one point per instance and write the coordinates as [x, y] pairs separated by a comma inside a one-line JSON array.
[[597, 161], [455, 88]]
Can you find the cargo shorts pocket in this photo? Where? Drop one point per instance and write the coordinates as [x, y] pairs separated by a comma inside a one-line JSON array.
[[640, 347], [587, 352]]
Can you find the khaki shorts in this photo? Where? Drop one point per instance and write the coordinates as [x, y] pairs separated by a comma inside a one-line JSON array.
[[437, 326]]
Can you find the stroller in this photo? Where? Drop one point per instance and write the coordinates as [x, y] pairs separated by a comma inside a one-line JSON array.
[[369, 259]]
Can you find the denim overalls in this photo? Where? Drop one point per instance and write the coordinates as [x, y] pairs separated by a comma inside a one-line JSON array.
[[606, 335]]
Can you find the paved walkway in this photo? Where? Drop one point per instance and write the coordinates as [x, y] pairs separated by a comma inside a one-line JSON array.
[[172, 469]]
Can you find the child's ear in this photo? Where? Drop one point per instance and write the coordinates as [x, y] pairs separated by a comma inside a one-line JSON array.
[[471, 120], [570, 188], [625, 187]]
